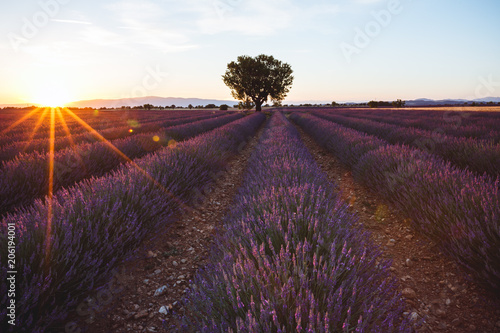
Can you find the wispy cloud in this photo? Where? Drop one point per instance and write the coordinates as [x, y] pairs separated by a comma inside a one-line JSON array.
[[261, 17], [368, 1], [256, 17], [71, 21], [147, 24], [101, 36]]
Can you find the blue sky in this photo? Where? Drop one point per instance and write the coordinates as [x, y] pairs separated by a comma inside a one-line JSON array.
[[339, 50]]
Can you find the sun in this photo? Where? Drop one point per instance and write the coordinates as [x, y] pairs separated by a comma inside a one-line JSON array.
[[51, 95]]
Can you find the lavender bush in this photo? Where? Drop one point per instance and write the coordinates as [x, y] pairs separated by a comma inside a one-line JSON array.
[[347, 144], [479, 125], [457, 209], [41, 145], [288, 258], [480, 156], [99, 221], [100, 120], [26, 177]]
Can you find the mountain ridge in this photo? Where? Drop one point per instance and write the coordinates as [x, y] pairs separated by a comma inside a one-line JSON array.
[[185, 101]]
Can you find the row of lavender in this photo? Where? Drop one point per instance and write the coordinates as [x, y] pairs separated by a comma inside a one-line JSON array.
[[479, 125], [476, 155], [94, 224], [110, 127], [40, 119], [12, 149], [99, 120], [26, 178], [26, 132], [289, 258], [457, 209]]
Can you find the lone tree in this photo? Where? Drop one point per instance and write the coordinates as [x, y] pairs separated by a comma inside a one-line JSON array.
[[399, 103], [258, 79], [247, 104]]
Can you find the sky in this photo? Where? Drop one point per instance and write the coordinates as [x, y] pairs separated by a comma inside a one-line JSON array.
[[346, 50]]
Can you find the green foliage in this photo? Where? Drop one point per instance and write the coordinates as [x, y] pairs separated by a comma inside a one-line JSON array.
[[258, 79], [224, 107], [247, 104], [398, 104], [378, 104]]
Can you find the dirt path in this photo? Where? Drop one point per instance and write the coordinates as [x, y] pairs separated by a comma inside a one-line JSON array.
[[164, 265], [433, 285]]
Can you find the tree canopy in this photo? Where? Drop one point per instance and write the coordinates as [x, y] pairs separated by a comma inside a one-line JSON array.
[[258, 79]]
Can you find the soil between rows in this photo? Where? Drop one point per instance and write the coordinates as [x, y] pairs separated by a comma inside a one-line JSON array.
[[433, 285], [171, 258], [441, 293]]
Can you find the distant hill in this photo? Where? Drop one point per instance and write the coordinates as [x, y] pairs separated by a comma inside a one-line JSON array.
[[488, 99], [184, 102], [154, 100], [431, 102], [412, 103]]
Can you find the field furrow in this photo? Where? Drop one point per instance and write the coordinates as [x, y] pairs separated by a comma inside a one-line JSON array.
[[434, 286], [71, 243], [483, 125], [41, 145], [38, 125], [480, 156], [289, 258], [26, 178], [169, 259], [456, 209]]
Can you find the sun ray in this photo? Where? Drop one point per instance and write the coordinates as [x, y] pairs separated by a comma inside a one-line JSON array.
[[37, 125], [51, 184], [70, 137], [97, 135], [26, 116], [125, 157]]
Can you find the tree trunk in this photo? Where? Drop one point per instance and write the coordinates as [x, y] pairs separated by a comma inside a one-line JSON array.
[[258, 107]]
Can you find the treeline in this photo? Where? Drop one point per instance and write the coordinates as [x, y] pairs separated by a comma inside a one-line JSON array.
[[173, 106], [397, 104]]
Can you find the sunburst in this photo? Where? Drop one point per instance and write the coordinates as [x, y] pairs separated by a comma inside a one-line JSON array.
[[61, 112], [53, 94], [35, 129]]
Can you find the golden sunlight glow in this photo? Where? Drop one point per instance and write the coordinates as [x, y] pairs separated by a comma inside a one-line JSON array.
[[51, 113], [51, 94], [50, 194], [24, 118], [35, 129]]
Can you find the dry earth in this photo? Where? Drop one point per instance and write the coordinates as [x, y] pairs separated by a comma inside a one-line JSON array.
[[432, 284], [152, 284]]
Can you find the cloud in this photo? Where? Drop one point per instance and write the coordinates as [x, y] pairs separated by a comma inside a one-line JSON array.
[[256, 17], [71, 21], [261, 17], [368, 1], [101, 36], [148, 24]]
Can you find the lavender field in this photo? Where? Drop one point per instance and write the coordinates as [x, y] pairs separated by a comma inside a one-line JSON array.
[[80, 191]]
